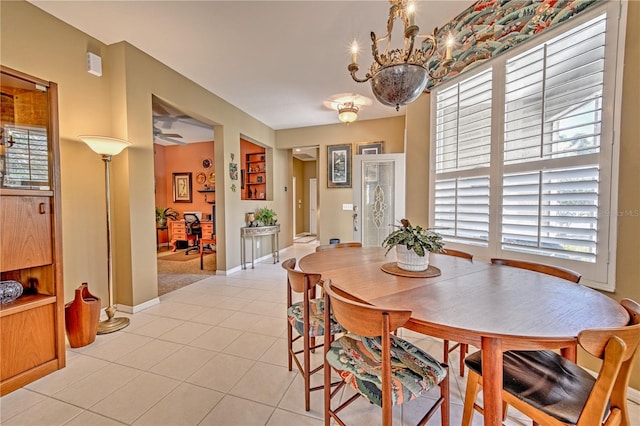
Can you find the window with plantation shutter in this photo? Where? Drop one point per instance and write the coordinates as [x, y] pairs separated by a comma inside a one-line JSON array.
[[27, 160], [523, 154], [463, 154]]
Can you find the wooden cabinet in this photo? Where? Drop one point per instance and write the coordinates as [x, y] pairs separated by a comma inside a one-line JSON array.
[[256, 177], [32, 342]]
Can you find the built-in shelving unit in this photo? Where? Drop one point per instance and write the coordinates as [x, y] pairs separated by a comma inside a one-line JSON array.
[[32, 342], [256, 177]]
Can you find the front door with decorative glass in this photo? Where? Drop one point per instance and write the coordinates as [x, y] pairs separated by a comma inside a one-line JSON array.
[[378, 196]]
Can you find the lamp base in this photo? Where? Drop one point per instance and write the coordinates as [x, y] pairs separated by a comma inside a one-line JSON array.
[[112, 324]]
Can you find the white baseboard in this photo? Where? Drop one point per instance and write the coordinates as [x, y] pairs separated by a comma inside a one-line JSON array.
[[135, 309]]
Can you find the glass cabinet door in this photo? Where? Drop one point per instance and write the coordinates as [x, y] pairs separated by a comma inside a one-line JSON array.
[[24, 141]]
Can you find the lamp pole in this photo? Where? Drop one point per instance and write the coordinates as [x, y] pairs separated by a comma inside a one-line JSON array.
[[108, 147]]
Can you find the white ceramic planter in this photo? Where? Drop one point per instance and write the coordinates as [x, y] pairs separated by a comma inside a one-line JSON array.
[[410, 261]]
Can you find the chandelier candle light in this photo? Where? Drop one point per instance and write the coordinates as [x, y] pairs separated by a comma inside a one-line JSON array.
[[399, 76], [108, 147]]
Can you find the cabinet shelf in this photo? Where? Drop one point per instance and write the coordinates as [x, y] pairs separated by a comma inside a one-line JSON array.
[[25, 303]]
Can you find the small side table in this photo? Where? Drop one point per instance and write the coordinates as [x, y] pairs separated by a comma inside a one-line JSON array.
[[252, 232], [158, 229]]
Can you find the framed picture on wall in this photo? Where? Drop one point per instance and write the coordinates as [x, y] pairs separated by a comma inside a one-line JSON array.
[[370, 148], [339, 166], [182, 187]]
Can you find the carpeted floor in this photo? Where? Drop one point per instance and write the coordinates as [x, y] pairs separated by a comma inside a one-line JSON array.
[[173, 274]]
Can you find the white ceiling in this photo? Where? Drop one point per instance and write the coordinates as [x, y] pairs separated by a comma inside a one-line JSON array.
[[278, 61]]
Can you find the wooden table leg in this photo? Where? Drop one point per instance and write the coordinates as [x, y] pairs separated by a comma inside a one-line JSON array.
[[492, 380]]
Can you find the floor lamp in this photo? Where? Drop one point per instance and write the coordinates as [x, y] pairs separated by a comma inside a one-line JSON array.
[[108, 147]]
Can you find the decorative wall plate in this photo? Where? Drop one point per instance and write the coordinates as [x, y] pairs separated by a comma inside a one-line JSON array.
[[201, 178], [212, 177], [207, 163]]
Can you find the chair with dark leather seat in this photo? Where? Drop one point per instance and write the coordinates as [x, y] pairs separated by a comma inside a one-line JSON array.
[[552, 390], [194, 231]]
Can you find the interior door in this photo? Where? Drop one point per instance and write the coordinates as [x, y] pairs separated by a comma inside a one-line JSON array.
[[313, 206], [378, 196]]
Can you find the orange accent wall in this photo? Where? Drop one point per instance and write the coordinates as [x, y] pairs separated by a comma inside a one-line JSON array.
[[183, 159]]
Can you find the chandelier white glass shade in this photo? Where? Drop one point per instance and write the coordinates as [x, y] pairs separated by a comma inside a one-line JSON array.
[[399, 76], [348, 112]]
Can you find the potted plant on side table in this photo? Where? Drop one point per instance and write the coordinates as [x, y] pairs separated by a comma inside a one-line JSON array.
[[413, 245], [266, 216], [164, 213]]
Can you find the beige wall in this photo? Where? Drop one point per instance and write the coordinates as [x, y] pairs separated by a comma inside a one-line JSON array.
[[119, 104], [335, 222]]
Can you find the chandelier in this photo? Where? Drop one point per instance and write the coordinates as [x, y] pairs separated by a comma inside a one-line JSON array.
[[399, 76]]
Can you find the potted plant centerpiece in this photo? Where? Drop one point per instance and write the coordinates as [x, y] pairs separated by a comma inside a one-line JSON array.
[[266, 216], [413, 245], [164, 213]]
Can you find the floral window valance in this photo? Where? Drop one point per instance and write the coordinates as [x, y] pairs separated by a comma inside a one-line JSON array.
[[489, 27]]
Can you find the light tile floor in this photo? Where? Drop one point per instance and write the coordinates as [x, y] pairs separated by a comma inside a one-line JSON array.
[[211, 353]]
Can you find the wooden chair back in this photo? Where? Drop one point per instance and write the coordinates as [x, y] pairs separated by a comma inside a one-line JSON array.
[[338, 245], [299, 281], [556, 271], [457, 253], [617, 347], [364, 320]]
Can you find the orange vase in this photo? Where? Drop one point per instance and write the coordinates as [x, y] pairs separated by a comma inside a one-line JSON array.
[[82, 317]]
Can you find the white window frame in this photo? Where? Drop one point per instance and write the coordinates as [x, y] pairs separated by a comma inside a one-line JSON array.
[[610, 146]]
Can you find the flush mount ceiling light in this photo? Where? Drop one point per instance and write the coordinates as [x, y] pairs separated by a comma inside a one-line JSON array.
[[348, 112], [399, 76], [348, 105]]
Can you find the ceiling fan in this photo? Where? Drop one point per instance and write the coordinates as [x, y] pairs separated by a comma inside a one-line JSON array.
[[168, 137]]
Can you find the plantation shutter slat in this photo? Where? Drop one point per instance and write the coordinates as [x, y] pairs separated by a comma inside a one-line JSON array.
[[27, 160]]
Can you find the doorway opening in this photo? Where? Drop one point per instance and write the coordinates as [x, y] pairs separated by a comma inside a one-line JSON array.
[[184, 177], [305, 194]]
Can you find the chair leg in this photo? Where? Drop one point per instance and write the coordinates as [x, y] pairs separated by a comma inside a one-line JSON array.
[[289, 346], [307, 374], [473, 381], [464, 348], [445, 407]]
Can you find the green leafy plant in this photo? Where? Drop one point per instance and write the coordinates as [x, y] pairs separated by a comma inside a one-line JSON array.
[[266, 216], [164, 213], [420, 240]]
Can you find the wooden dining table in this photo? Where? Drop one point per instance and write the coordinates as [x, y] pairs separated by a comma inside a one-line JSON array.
[[493, 307]]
